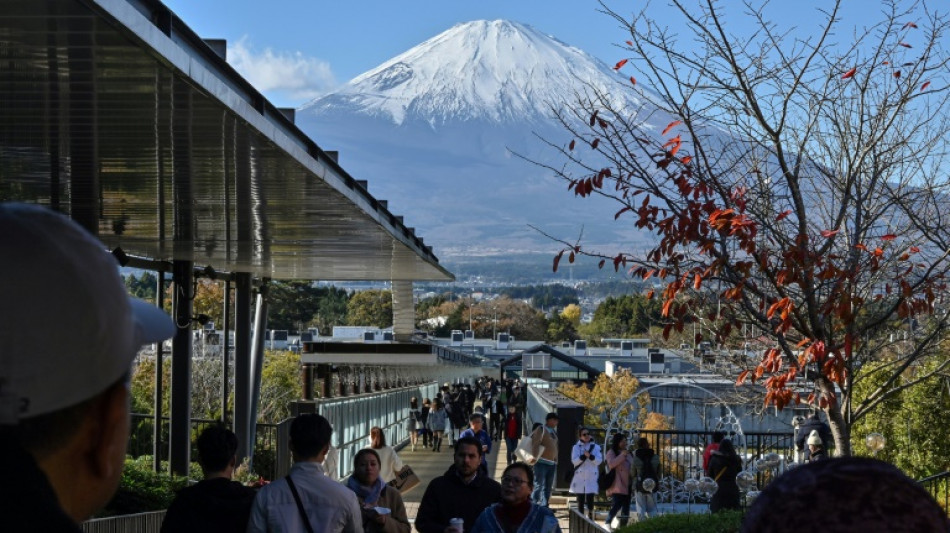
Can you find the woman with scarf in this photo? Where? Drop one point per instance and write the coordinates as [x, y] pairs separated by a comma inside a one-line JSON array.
[[383, 509], [515, 513]]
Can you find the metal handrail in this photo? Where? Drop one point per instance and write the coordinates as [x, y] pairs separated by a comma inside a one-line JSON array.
[[938, 485]]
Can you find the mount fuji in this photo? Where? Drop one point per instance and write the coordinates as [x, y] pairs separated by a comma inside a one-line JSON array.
[[438, 129]]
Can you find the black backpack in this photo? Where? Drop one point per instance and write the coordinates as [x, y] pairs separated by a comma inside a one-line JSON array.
[[646, 471], [606, 478]]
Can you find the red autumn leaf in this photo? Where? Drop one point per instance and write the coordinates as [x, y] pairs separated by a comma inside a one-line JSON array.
[[889, 237], [670, 126], [829, 233], [649, 294], [897, 74], [594, 144], [914, 250], [909, 25], [570, 258], [686, 159], [593, 118], [742, 376], [905, 45], [886, 63], [633, 80], [601, 264], [697, 281], [666, 308], [783, 214], [630, 43], [620, 64], [860, 246], [571, 146], [849, 73], [557, 259], [924, 86]]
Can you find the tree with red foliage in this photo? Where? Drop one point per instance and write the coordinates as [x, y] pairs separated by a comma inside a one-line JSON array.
[[800, 182]]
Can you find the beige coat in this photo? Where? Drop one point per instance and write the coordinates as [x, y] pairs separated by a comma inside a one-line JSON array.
[[543, 437]]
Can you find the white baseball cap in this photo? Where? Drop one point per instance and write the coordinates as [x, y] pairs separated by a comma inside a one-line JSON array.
[[68, 328]]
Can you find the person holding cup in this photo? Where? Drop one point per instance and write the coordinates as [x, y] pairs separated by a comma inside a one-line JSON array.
[[382, 506]]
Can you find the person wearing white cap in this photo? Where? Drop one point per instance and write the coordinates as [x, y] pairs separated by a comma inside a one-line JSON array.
[[68, 334], [816, 447]]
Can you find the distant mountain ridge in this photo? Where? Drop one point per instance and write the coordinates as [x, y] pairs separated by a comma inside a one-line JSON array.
[[435, 131]]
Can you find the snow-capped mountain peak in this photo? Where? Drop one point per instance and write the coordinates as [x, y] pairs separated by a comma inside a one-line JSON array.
[[496, 71]]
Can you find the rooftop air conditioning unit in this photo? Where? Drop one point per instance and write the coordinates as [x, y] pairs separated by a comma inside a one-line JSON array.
[[626, 348], [580, 347], [369, 336], [503, 341], [469, 334], [657, 362], [457, 337], [387, 336]]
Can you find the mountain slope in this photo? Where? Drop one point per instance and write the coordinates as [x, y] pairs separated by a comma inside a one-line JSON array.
[[435, 130]]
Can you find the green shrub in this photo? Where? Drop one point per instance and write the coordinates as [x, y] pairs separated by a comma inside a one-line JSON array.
[[142, 489], [721, 522]]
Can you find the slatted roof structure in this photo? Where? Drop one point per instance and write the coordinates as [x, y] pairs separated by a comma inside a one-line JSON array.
[[117, 114]]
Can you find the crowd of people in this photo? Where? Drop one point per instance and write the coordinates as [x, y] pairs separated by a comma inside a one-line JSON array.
[[65, 420]]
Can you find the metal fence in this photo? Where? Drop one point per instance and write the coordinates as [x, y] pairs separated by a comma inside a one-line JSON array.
[[578, 523], [130, 523], [681, 452], [939, 487], [142, 435]]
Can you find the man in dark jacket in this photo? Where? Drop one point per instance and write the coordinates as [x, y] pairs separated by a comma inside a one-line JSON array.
[[462, 492], [215, 504]]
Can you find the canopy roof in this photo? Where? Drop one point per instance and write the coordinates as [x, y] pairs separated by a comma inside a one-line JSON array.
[[116, 113]]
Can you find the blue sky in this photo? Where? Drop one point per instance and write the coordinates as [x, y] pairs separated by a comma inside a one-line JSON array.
[[295, 50]]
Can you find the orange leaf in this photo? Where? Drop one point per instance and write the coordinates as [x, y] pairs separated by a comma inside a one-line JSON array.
[[860, 246], [620, 64], [686, 159], [630, 43], [670, 126], [897, 74], [783, 214], [849, 73], [829, 233], [666, 308], [909, 25], [697, 281], [889, 237], [914, 250], [924, 86], [633, 80], [742, 376], [557, 259]]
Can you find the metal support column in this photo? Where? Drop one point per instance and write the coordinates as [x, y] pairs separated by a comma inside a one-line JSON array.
[[242, 362], [257, 364], [227, 353], [179, 434], [159, 374]]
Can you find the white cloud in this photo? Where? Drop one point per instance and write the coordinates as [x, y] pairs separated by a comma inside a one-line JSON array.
[[285, 78]]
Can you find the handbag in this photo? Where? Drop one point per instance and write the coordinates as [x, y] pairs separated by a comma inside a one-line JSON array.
[[405, 480], [605, 481], [523, 451]]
